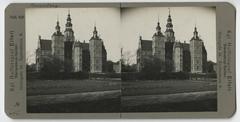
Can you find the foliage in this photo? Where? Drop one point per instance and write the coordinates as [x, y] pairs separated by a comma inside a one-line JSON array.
[[152, 65], [52, 65]]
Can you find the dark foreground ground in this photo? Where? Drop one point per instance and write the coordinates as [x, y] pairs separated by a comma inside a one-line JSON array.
[[73, 96], [112, 95], [169, 96]]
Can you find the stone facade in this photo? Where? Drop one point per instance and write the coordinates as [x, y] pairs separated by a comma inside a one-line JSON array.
[[158, 45], [144, 52], [198, 54], [96, 53], [85, 57], [68, 45], [186, 57], [58, 45], [43, 52], [178, 57], [170, 39], [77, 56]]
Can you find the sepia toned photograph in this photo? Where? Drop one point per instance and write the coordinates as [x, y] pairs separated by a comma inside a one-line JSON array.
[[116, 60], [73, 59], [169, 63]]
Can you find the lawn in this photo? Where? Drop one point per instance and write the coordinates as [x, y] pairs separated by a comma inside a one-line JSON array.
[[112, 95], [166, 87], [47, 87], [169, 96], [73, 96]]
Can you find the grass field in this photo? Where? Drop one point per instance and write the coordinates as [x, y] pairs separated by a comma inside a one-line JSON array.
[[47, 87], [112, 95], [169, 96], [73, 96]]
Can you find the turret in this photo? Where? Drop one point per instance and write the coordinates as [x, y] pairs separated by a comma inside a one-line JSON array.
[[195, 33], [95, 33], [169, 33], [69, 33]]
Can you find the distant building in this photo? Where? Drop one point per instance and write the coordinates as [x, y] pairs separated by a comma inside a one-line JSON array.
[[173, 56], [144, 52], [85, 57], [170, 39], [75, 56], [198, 54], [186, 57], [158, 45], [68, 45], [97, 53], [58, 45], [178, 57], [43, 52]]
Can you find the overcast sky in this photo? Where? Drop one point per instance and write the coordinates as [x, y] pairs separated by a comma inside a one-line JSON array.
[[121, 28]]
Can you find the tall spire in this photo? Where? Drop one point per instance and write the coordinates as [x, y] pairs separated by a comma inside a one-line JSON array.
[[69, 33], [158, 28], [69, 16], [169, 12], [169, 25], [57, 26], [69, 23], [95, 33], [169, 33], [195, 33]]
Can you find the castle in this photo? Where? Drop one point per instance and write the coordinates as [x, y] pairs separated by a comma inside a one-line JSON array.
[[70, 54], [173, 56]]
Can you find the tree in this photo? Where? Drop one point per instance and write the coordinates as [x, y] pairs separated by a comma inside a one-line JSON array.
[[152, 65], [31, 67], [127, 66], [210, 67], [52, 65], [109, 66]]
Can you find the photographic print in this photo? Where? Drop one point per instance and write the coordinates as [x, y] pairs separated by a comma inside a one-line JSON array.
[[169, 64], [114, 60], [73, 60]]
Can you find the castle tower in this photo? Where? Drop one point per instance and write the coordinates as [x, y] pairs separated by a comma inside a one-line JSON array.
[[97, 53], [144, 51], [169, 33], [197, 52], [58, 46], [170, 39], [68, 33], [158, 46], [178, 56], [68, 44], [77, 56]]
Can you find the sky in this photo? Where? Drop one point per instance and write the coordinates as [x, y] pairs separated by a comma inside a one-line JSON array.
[[121, 28]]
